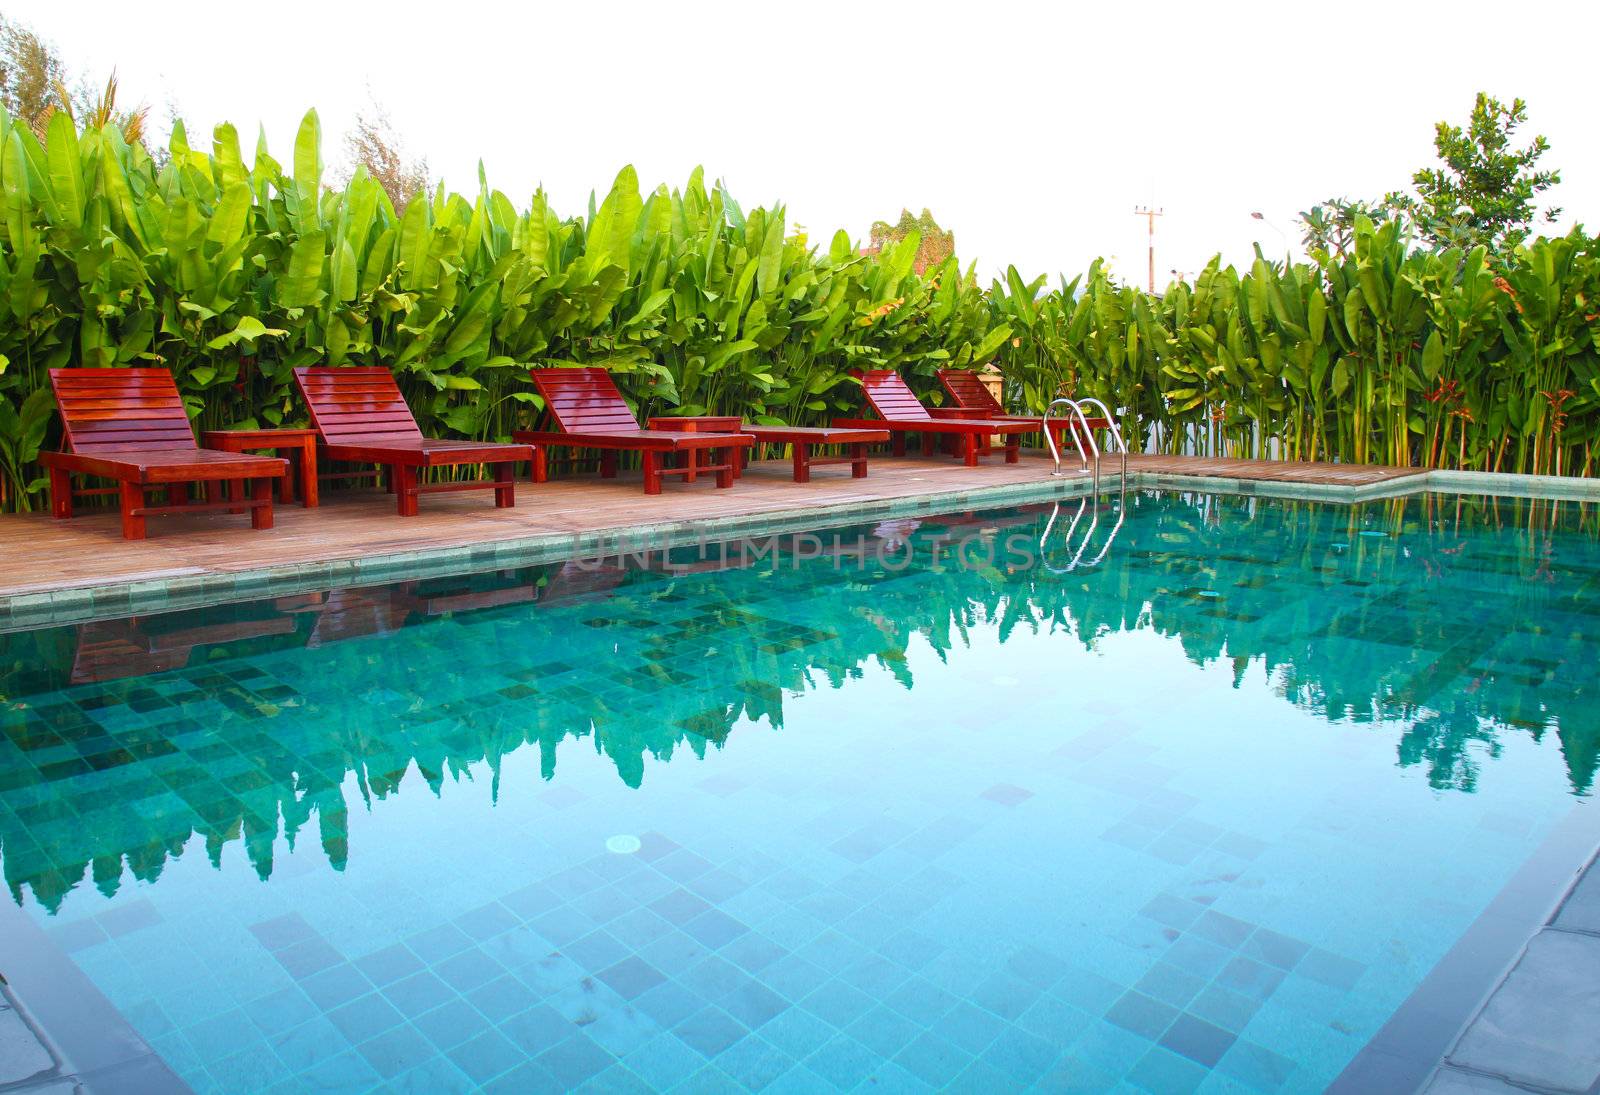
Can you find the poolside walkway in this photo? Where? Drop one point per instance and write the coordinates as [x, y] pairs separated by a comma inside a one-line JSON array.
[[43, 554], [1537, 1031]]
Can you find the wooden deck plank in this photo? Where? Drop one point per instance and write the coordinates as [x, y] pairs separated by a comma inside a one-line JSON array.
[[42, 553]]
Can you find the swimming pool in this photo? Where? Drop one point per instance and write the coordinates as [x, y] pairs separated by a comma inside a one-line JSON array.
[[901, 806]]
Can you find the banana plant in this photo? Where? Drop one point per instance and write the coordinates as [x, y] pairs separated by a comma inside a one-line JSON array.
[[231, 268]]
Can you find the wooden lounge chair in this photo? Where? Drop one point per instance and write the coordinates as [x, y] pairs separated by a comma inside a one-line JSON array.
[[974, 399], [901, 413], [590, 413], [360, 415], [130, 425]]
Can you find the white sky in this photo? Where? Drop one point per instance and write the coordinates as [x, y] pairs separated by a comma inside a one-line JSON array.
[[1031, 130]]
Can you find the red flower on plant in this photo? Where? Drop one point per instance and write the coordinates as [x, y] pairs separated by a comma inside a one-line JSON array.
[[1505, 287], [1558, 417], [1448, 390]]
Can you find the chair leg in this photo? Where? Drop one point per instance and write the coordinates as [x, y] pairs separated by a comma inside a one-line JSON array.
[[261, 495], [213, 490], [505, 491], [60, 494], [404, 478], [898, 443], [608, 464], [132, 497], [652, 472], [539, 466], [1013, 448], [969, 449], [236, 493], [858, 461], [802, 466], [728, 458], [308, 475]]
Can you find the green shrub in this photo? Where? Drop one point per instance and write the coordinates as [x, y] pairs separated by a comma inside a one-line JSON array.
[[231, 275]]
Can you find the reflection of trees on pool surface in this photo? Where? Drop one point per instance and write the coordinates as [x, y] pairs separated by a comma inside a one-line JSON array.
[[1401, 612], [126, 739]]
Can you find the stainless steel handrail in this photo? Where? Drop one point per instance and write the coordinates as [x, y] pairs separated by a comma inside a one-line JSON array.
[[1080, 421], [1111, 425]]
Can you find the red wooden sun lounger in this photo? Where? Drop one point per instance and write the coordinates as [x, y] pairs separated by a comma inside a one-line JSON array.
[[590, 413], [901, 412], [130, 425], [361, 417], [974, 399]]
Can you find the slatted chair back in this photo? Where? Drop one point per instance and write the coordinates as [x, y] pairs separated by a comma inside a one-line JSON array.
[[969, 391], [110, 410], [356, 405], [584, 400], [889, 395]]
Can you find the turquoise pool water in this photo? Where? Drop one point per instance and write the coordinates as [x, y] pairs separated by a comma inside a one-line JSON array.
[[900, 807]]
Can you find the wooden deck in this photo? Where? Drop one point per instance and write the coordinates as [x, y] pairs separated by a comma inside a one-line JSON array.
[[45, 554]]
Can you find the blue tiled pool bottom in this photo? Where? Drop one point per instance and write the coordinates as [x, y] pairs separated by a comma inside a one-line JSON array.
[[899, 815]]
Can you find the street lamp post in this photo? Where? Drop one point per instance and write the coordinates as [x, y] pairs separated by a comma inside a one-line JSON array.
[[1150, 216], [1281, 234]]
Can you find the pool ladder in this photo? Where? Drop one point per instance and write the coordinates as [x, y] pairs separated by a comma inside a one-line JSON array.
[[1092, 504], [1083, 436]]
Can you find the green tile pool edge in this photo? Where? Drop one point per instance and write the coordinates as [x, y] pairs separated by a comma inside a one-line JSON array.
[[105, 600], [121, 598]]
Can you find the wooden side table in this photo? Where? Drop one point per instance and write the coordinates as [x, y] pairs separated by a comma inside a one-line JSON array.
[[704, 423], [299, 446], [802, 439]]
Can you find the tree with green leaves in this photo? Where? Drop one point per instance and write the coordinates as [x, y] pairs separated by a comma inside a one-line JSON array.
[[1328, 229], [33, 86], [31, 74], [937, 244], [1485, 190]]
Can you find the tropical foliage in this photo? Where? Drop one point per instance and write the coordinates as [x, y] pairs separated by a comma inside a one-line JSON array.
[[231, 273], [1389, 354]]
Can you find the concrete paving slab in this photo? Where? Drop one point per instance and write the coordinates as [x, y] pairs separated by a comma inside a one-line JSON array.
[[1581, 911], [1539, 1026], [1449, 1081]]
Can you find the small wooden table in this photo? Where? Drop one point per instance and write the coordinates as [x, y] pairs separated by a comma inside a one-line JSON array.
[[799, 438], [703, 423], [300, 446]]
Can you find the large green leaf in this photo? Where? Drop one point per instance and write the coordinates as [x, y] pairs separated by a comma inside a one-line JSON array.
[[66, 168]]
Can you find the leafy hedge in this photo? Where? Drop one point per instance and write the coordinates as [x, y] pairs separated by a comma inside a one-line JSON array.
[[1389, 354], [232, 274]]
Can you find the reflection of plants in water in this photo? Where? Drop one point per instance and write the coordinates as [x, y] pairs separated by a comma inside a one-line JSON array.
[[1380, 612], [1370, 614]]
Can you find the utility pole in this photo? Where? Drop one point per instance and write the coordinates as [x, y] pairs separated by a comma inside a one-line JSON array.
[[1150, 216]]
